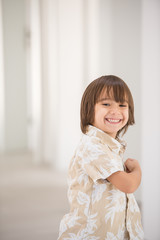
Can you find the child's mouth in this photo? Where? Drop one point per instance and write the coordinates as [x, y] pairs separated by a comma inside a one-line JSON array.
[[113, 121]]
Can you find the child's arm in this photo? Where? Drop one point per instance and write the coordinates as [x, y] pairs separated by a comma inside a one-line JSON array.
[[128, 181]]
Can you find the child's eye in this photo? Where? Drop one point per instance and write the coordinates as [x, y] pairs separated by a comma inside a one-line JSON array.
[[106, 104], [123, 105]]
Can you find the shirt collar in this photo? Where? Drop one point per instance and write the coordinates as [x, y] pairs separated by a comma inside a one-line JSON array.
[[116, 145]]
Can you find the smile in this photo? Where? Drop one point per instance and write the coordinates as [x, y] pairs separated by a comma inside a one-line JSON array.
[[111, 120]]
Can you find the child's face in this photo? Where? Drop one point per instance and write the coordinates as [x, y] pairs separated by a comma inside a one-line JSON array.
[[110, 116]]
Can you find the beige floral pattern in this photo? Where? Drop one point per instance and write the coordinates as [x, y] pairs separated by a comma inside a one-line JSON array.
[[98, 210]]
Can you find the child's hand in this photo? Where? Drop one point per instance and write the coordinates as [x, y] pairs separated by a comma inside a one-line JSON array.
[[131, 164]]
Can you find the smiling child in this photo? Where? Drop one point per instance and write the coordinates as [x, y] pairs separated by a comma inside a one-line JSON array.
[[101, 183]]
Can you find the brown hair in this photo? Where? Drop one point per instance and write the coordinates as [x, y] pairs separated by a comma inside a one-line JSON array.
[[92, 93]]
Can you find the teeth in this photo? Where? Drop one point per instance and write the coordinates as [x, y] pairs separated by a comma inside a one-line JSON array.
[[113, 120]]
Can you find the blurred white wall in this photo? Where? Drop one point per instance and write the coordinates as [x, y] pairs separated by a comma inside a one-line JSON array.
[[15, 108], [2, 122], [150, 117], [34, 77], [52, 50]]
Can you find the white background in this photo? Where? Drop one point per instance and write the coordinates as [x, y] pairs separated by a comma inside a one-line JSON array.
[[50, 50]]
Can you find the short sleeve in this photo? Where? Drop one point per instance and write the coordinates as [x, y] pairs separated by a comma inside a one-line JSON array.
[[99, 162]]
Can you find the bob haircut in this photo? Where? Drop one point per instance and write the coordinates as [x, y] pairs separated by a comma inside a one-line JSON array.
[[115, 88]]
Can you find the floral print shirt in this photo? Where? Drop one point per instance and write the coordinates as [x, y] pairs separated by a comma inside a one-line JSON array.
[[98, 210]]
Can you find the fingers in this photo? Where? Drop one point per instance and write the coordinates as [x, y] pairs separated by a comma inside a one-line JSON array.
[[131, 164]]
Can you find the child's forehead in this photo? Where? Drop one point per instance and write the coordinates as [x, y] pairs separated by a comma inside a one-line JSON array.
[[110, 94], [106, 94]]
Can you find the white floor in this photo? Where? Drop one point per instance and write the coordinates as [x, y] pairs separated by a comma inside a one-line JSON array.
[[33, 199]]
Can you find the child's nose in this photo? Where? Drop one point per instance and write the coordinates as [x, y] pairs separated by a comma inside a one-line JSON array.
[[114, 109]]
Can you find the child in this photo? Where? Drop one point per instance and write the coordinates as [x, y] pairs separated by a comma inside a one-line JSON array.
[[102, 205]]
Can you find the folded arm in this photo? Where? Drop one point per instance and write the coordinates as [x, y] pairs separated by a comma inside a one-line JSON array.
[[128, 181]]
